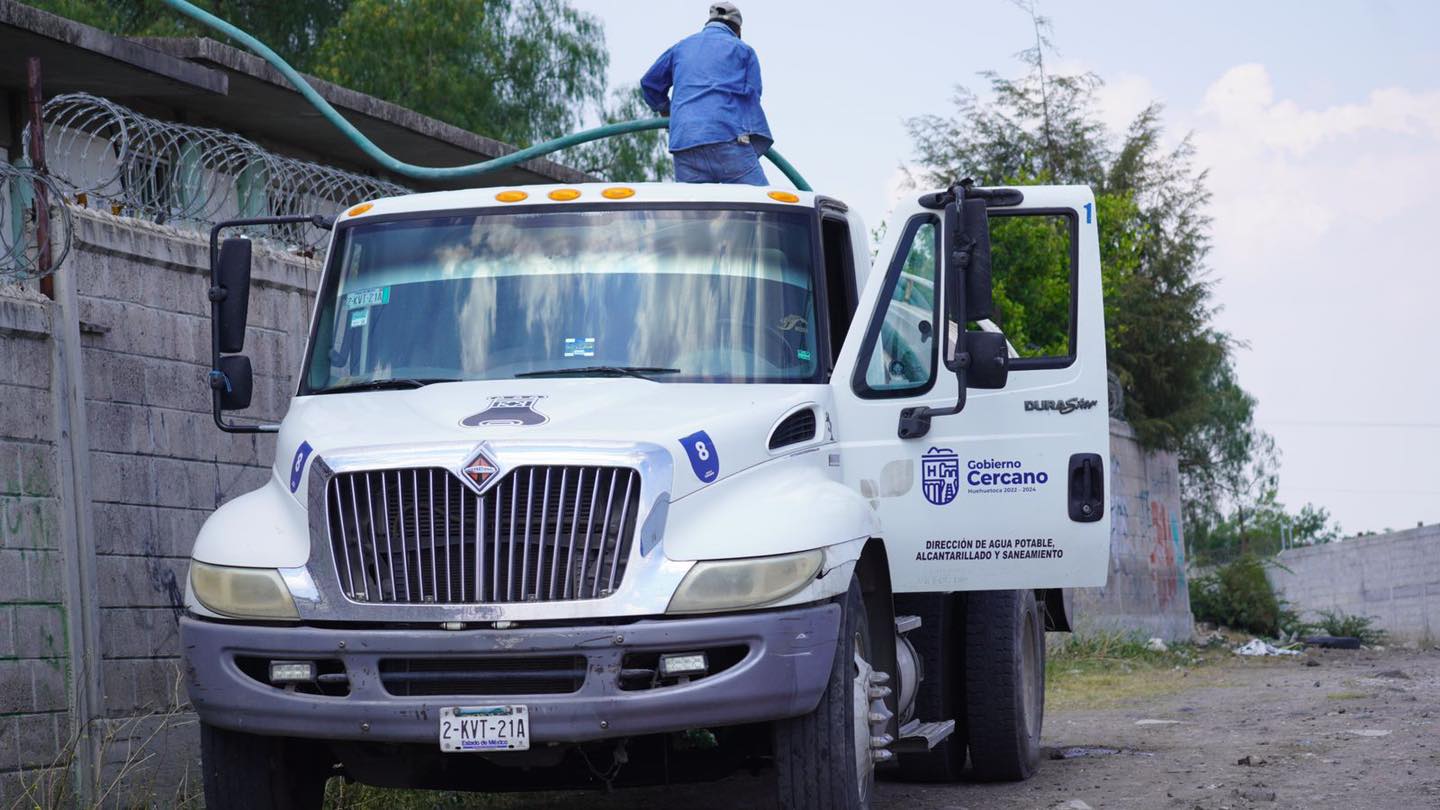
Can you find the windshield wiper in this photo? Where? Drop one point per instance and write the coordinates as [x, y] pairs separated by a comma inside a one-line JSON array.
[[396, 384], [643, 372]]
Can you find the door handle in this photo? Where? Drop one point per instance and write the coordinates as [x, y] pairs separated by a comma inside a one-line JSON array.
[[1087, 487]]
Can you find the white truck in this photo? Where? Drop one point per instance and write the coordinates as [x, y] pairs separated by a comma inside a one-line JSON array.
[[621, 484]]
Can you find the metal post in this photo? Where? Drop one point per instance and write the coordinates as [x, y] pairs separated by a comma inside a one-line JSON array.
[[36, 100]]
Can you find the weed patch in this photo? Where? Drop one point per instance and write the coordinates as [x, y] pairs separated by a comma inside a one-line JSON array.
[[1103, 669]]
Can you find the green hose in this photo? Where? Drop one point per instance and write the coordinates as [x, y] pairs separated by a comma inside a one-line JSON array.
[[432, 172]]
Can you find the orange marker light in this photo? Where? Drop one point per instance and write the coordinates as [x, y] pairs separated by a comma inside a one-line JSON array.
[[565, 194], [617, 193], [359, 209], [511, 196], [784, 196]]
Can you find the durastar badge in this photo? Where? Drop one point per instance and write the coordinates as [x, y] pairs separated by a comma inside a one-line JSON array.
[[479, 471], [1060, 405]]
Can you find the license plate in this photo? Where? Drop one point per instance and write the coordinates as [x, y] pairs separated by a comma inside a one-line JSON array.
[[484, 728]]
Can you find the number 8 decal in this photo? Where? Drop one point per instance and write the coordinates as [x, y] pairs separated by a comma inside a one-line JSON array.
[[704, 458]]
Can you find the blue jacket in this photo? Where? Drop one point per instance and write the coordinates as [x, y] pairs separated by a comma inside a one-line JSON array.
[[716, 98]]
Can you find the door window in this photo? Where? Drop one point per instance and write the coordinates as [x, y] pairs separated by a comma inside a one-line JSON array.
[[900, 345], [1033, 265]]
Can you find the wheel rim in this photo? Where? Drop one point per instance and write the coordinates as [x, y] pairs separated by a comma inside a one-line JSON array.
[[860, 687], [1030, 690]]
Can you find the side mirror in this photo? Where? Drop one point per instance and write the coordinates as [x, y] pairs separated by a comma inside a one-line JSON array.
[[975, 230], [989, 360], [231, 378], [234, 382], [231, 294]]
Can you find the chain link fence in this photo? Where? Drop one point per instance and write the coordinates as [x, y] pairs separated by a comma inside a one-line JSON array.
[[103, 155]]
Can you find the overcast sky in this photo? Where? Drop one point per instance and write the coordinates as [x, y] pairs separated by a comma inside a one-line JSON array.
[[1318, 121]]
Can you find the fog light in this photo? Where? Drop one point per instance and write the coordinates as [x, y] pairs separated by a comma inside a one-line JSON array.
[[675, 665], [292, 671]]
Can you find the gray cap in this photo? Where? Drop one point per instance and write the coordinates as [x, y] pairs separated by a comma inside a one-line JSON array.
[[726, 13]]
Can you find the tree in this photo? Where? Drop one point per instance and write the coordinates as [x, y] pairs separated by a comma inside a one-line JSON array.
[[630, 158], [292, 28], [1175, 367], [520, 71]]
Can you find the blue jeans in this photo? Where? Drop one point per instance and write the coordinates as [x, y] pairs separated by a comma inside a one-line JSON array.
[[720, 163]]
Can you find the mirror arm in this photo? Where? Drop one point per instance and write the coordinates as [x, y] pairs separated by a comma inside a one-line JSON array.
[[218, 381], [915, 421]]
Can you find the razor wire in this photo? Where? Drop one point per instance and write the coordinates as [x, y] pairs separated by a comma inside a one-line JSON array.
[[108, 156], [20, 233]]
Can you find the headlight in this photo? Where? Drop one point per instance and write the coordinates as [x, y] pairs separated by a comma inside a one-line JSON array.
[[728, 584], [244, 593]]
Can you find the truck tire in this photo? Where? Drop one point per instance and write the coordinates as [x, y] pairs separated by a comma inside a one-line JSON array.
[[940, 643], [251, 772], [1004, 684], [823, 760]]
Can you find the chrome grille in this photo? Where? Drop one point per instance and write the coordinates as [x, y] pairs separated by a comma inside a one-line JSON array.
[[541, 533]]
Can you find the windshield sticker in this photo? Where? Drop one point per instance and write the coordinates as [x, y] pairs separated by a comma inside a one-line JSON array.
[[580, 347], [516, 411], [940, 475], [704, 460], [297, 467], [367, 298], [802, 354], [359, 318], [1002, 476]]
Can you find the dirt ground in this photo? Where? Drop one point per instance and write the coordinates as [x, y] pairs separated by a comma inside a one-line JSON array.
[[1330, 729]]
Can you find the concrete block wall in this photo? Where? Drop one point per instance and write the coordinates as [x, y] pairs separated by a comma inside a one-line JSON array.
[[35, 665], [154, 466], [1146, 591], [1393, 577]]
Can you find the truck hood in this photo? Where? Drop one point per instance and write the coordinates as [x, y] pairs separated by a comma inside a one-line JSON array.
[[736, 420]]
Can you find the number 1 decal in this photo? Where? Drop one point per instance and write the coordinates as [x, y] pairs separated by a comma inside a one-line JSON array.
[[1089, 212], [704, 459]]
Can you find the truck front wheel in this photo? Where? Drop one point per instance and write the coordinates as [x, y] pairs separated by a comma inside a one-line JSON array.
[[1004, 683], [251, 772], [825, 760]]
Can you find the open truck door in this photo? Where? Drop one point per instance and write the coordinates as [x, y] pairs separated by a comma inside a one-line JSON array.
[[971, 392]]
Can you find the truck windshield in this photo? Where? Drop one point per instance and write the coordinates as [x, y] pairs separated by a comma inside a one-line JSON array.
[[712, 295]]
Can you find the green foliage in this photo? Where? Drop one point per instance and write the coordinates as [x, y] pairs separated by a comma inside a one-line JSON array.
[[516, 70], [1174, 366], [1239, 596], [1340, 623], [1153, 238], [293, 28], [1031, 260], [641, 156]]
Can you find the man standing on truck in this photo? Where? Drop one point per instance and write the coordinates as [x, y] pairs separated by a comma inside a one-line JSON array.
[[717, 130]]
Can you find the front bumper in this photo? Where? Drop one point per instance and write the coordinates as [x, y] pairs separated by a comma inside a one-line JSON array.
[[782, 675]]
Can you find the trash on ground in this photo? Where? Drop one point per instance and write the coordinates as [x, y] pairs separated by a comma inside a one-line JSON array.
[[1149, 722], [1156, 645], [1333, 642], [1257, 647], [1370, 732]]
